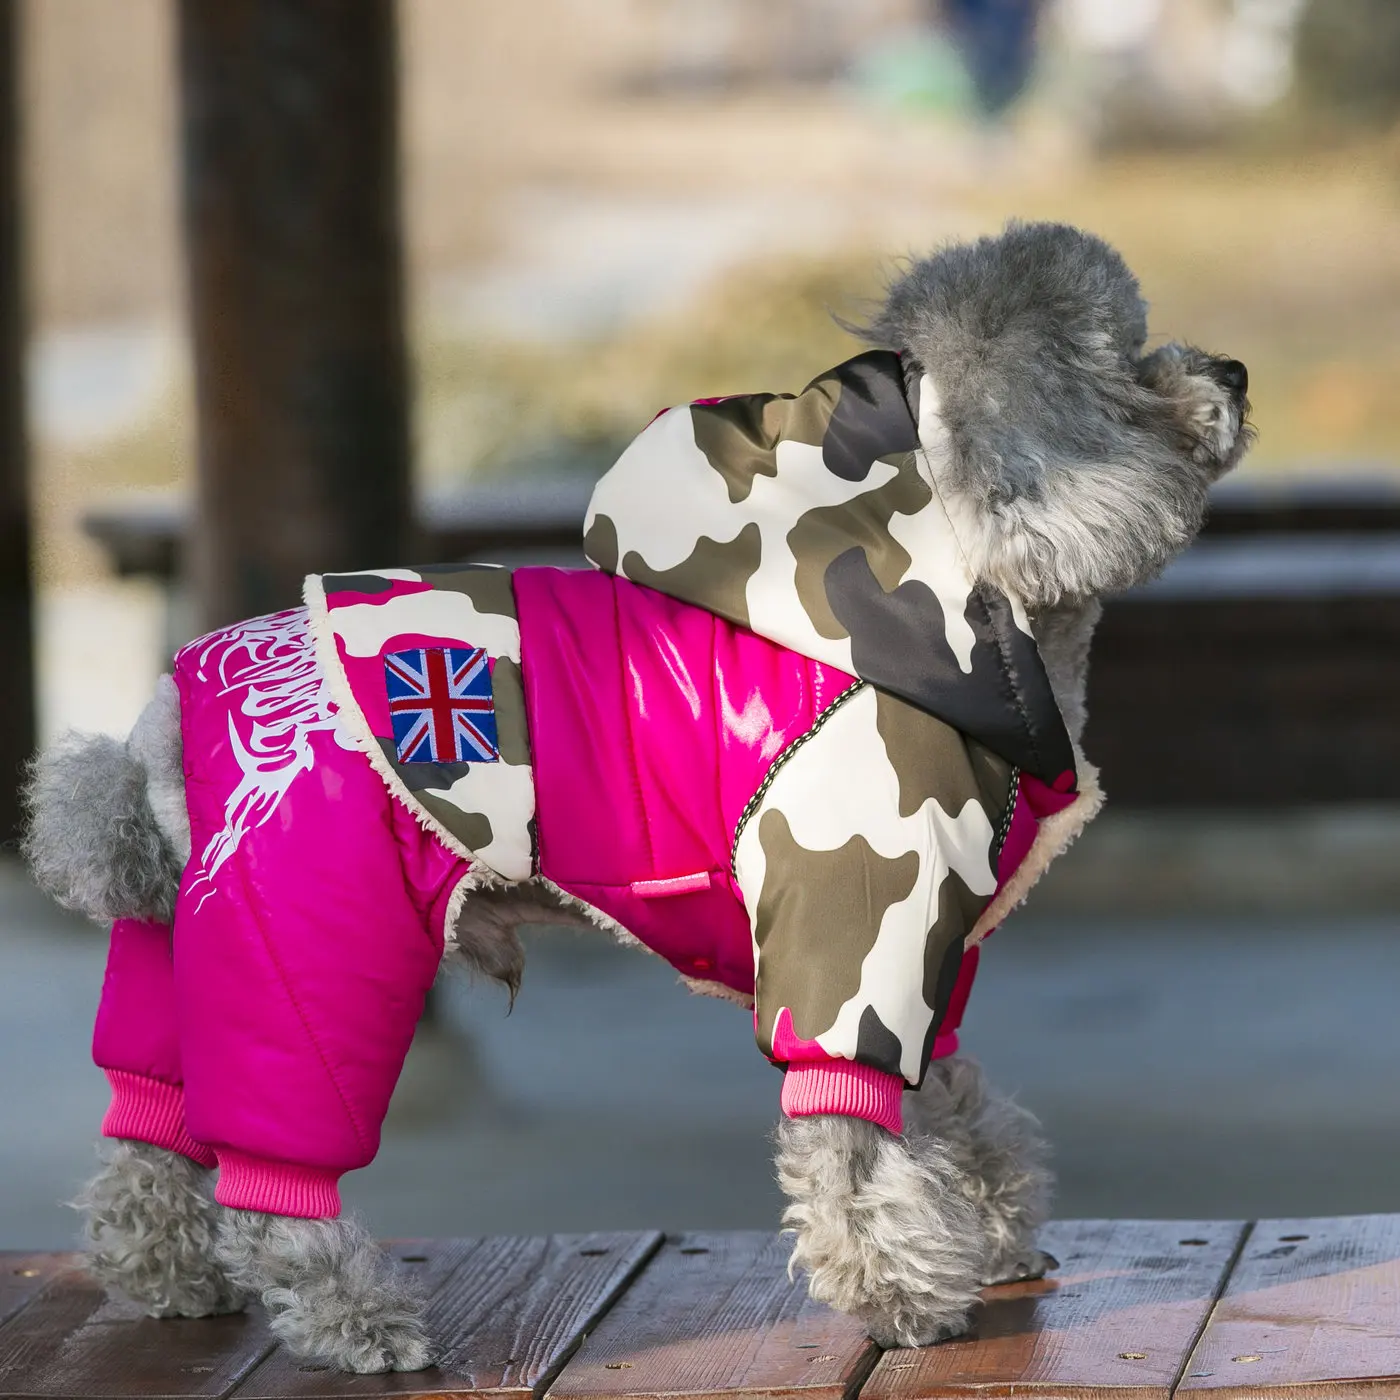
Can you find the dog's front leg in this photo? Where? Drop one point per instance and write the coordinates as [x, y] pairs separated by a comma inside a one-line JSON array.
[[1002, 1159], [149, 1222], [332, 1293], [885, 1227]]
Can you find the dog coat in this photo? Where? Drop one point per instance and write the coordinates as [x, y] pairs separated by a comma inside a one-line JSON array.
[[778, 736]]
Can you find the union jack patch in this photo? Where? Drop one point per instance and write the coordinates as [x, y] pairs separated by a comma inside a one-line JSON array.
[[440, 705]]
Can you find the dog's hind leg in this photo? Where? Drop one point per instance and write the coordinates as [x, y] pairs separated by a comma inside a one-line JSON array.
[[150, 1214], [333, 1294], [1001, 1160], [886, 1228], [150, 1223]]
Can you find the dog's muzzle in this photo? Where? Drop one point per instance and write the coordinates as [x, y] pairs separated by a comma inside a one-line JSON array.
[[1231, 375]]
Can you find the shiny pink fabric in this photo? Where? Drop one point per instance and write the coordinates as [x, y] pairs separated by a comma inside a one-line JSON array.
[[652, 724], [135, 1030], [137, 1043], [300, 975], [300, 963]]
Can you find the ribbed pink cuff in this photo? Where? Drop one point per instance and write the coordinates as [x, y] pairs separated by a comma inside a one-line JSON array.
[[150, 1110], [845, 1088], [279, 1188]]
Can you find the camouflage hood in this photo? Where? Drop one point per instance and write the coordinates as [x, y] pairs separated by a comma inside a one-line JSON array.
[[814, 520]]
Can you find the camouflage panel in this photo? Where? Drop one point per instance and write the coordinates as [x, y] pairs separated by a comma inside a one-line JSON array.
[[866, 861], [485, 807], [814, 521]]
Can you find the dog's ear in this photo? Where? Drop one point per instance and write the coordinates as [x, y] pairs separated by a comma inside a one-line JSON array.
[[1029, 339]]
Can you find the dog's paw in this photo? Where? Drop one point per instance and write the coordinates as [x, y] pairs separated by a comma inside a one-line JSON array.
[[1018, 1266], [150, 1222], [395, 1347], [332, 1331], [911, 1329]]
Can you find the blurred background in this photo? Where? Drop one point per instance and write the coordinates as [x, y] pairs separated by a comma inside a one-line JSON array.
[[575, 212]]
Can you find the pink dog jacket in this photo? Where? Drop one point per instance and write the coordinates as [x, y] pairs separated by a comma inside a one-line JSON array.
[[823, 842]]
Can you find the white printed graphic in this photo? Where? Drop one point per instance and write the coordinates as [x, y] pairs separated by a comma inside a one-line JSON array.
[[269, 665]]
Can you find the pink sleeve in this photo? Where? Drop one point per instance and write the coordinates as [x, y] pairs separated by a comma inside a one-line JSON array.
[[137, 1043]]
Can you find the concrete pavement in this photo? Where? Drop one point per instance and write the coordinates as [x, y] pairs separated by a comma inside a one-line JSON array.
[[1183, 1067]]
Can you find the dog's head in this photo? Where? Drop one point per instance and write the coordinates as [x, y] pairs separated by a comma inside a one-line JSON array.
[[1072, 463]]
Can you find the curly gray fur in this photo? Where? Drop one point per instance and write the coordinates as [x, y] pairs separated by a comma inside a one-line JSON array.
[[885, 1227], [149, 1227], [1073, 466], [1000, 1157], [107, 831], [91, 839], [333, 1295], [156, 744]]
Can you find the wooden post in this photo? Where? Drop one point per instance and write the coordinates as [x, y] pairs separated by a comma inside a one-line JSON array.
[[16, 586], [290, 156]]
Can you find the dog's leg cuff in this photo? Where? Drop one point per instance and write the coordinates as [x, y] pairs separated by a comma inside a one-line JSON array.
[[150, 1110], [278, 1188], [846, 1089]]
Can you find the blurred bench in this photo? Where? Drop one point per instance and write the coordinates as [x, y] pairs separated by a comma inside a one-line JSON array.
[[1263, 668], [1145, 1309], [143, 532]]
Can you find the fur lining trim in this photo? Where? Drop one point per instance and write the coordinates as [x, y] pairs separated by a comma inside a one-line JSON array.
[[718, 990], [574, 911], [594, 916], [1055, 835]]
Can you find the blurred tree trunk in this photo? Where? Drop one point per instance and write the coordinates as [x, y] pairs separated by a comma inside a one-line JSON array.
[[16, 585], [291, 202], [1349, 58]]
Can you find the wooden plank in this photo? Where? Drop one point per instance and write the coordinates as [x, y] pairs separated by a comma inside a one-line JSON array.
[[1313, 1305], [504, 1312], [1120, 1315], [71, 1341], [22, 1275], [716, 1314]]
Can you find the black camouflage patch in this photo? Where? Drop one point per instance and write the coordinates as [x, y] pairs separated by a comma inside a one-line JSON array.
[[876, 1044], [899, 643], [489, 587], [825, 532], [871, 418], [942, 963], [356, 583], [417, 776]]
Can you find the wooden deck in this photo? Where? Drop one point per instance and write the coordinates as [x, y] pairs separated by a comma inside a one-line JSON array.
[[1139, 1310]]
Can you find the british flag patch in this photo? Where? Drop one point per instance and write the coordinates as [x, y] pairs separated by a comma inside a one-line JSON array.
[[440, 705]]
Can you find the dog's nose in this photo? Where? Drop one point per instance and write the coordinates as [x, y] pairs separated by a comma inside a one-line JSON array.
[[1232, 375]]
